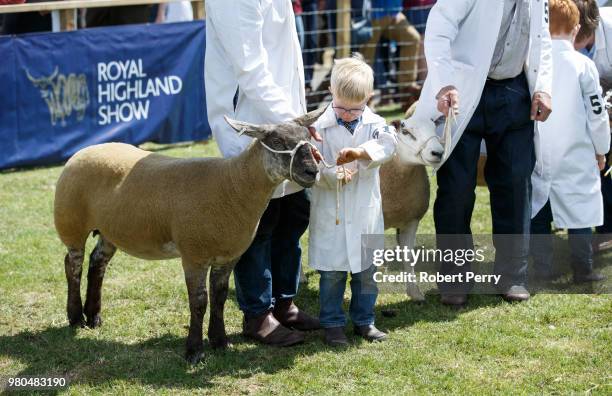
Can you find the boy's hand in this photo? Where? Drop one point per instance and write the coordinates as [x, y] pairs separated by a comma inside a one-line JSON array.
[[349, 154], [601, 161]]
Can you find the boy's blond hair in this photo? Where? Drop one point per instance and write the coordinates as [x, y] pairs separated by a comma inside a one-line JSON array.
[[352, 79], [564, 17]]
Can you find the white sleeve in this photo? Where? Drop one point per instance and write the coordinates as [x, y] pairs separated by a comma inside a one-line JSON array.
[[381, 148], [442, 28], [544, 80], [239, 26], [597, 117]]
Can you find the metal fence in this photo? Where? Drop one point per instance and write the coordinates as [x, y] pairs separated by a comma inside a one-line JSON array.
[[390, 40]]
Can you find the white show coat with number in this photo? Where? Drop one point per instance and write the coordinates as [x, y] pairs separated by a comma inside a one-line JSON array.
[[459, 45], [338, 247], [252, 46], [575, 131]]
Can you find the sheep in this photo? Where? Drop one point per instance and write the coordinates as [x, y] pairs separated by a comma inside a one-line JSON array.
[[203, 210]]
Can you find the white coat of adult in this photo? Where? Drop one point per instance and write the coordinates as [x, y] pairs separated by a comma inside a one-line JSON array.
[[338, 247], [603, 44], [459, 44], [574, 132], [252, 46]]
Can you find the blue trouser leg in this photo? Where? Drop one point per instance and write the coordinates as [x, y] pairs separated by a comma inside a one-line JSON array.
[[606, 192], [541, 246], [581, 250], [363, 297], [331, 296], [286, 250], [502, 119], [455, 199], [254, 274]]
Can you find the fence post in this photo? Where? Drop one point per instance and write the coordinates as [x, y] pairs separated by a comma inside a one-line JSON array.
[[343, 35], [68, 19], [199, 11]]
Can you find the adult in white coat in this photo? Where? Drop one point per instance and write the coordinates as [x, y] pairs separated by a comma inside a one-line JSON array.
[[490, 60], [254, 73], [595, 41]]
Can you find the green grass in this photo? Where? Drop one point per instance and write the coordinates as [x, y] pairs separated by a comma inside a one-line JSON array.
[[552, 344]]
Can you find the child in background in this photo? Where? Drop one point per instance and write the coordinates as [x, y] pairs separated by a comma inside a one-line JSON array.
[[573, 143], [359, 141]]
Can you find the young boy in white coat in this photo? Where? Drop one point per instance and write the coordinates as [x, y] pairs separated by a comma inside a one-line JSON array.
[[574, 141], [358, 141]]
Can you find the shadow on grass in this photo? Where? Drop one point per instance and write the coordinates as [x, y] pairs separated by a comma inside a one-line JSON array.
[[86, 358]]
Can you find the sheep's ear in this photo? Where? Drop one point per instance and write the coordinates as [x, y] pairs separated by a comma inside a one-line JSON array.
[[252, 130], [309, 118]]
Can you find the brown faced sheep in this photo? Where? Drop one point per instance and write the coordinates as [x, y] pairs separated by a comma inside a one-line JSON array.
[[204, 210]]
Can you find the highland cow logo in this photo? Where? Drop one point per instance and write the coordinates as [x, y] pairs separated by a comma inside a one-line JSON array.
[[63, 95]]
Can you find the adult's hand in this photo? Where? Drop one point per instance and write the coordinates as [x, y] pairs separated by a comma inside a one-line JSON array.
[[541, 106], [448, 98]]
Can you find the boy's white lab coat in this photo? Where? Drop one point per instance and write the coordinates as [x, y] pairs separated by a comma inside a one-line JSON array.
[[252, 46], [459, 45], [576, 130], [603, 44], [338, 247]]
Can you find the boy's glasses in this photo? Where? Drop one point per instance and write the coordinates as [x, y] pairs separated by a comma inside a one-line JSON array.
[[355, 112]]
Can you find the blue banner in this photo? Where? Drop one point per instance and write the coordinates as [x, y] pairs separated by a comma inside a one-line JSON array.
[[65, 91]]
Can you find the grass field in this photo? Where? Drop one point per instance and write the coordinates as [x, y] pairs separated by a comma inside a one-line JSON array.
[[553, 344]]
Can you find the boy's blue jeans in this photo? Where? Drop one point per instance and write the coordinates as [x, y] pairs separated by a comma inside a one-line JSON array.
[[542, 245], [331, 296]]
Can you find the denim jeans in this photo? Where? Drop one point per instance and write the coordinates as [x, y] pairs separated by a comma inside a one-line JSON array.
[[270, 267], [542, 247], [502, 119], [331, 296]]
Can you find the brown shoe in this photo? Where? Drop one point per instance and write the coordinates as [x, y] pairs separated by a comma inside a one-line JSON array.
[[334, 336], [370, 333], [291, 316], [454, 299], [516, 293], [267, 330]]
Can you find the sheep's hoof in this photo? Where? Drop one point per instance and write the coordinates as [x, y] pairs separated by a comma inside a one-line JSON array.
[[194, 357], [94, 322], [219, 343]]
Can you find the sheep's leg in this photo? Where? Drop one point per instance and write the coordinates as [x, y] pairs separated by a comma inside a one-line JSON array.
[[98, 261], [219, 283], [195, 277], [407, 237], [73, 265]]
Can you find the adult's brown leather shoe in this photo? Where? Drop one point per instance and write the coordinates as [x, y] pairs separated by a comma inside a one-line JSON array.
[[267, 330], [291, 316], [454, 300]]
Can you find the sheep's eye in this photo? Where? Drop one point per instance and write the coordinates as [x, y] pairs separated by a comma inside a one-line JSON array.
[[407, 132]]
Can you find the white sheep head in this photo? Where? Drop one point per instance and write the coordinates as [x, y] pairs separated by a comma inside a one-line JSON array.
[[418, 143], [285, 137]]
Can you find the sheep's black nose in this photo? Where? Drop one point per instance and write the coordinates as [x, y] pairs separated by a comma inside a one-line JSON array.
[[312, 173], [437, 153]]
